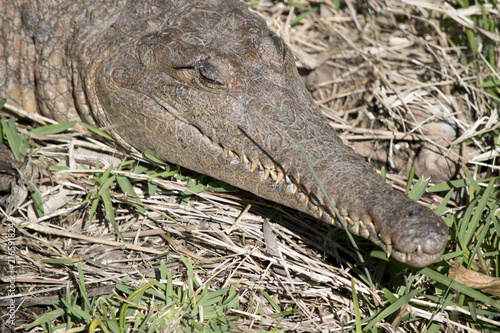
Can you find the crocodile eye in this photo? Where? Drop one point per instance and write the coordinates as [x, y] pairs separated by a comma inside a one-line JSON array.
[[185, 75], [210, 77]]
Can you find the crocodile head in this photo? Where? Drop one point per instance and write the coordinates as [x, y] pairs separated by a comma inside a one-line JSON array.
[[201, 87]]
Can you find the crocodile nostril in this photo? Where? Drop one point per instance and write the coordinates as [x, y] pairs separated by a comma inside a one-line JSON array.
[[414, 213]]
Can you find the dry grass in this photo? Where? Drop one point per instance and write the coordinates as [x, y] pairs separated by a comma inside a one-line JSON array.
[[389, 79]]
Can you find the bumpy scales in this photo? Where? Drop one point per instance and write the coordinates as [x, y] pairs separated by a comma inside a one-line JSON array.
[[197, 83]]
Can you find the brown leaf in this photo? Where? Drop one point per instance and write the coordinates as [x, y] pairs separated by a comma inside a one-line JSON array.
[[475, 280]]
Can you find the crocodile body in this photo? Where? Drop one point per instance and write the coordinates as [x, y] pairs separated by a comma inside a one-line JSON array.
[[198, 83]]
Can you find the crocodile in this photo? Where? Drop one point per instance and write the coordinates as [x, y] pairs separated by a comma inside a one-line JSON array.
[[208, 86]]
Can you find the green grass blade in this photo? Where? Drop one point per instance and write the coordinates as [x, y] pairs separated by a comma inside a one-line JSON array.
[[110, 213], [154, 159], [419, 189], [463, 227], [169, 290], [97, 131], [53, 129], [448, 186], [76, 312], [481, 238], [355, 302], [128, 189], [46, 318], [93, 325], [37, 203], [392, 308], [107, 183], [82, 289], [383, 173], [13, 139], [473, 224], [303, 16], [93, 208], [271, 301], [444, 203], [152, 187], [132, 299], [411, 176], [472, 182]]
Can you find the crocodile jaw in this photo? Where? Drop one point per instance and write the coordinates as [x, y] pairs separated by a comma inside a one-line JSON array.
[[208, 103]]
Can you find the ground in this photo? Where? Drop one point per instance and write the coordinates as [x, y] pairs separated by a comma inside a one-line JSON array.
[[413, 86]]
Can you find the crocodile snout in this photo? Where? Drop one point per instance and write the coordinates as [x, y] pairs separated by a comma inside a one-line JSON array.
[[418, 236]]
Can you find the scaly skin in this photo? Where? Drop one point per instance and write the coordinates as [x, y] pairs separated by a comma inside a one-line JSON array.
[[197, 83]]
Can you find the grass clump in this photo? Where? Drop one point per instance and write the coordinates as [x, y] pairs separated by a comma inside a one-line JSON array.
[[182, 304]]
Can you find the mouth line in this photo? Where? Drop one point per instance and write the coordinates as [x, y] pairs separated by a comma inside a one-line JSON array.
[[317, 207]]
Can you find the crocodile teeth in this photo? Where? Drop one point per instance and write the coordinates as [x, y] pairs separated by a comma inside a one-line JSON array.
[[245, 159], [385, 239], [230, 153], [363, 231], [226, 151], [419, 250], [388, 249], [348, 220], [274, 175], [321, 210], [327, 217], [279, 177], [266, 173], [370, 225], [408, 256], [254, 167], [294, 188], [403, 257], [355, 229], [306, 200], [342, 211]]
